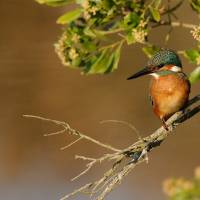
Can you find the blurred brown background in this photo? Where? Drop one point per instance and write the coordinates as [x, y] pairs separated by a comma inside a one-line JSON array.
[[33, 81]]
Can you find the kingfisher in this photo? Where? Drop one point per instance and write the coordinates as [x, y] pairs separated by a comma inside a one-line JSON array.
[[169, 87]]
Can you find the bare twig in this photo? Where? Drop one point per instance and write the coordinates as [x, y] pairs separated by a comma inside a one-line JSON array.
[[184, 25], [174, 24], [171, 10], [77, 191], [125, 123], [55, 133], [126, 159], [71, 131], [72, 143]]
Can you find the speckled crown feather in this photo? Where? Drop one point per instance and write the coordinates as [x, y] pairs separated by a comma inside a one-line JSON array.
[[165, 57]]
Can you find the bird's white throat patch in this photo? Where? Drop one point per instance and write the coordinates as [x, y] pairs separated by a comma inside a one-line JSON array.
[[176, 69], [155, 75]]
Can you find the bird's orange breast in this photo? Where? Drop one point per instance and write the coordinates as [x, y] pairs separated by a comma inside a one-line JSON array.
[[169, 94]]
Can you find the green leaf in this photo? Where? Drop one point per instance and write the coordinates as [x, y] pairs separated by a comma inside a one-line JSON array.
[[55, 2], [155, 13], [195, 4], [157, 3], [195, 75], [130, 38], [131, 20], [117, 54], [191, 55], [69, 16], [80, 1], [150, 50], [101, 64], [107, 61], [89, 46], [90, 32], [115, 57]]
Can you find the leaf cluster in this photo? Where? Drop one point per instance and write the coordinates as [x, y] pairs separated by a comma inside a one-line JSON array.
[[96, 31], [89, 29], [193, 55], [183, 189], [85, 43]]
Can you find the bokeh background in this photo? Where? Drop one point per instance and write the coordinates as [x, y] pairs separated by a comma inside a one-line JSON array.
[[33, 81]]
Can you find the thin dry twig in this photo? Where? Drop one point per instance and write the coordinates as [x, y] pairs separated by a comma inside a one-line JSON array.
[[72, 131], [123, 161], [125, 123], [55, 133], [76, 191], [174, 24], [72, 143]]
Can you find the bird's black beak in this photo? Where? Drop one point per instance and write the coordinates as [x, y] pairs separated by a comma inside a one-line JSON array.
[[146, 70]]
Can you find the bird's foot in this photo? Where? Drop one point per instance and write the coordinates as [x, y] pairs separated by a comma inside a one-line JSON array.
[[165, 125]]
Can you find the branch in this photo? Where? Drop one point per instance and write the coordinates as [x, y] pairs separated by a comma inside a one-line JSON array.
[[184, 25], [171, 10], [123, 161], [174, 24], [72, 131]]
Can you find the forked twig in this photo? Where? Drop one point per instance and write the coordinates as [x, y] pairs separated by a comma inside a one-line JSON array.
[[72, 131]]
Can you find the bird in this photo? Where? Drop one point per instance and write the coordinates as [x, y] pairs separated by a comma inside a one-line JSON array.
[[169, 85]]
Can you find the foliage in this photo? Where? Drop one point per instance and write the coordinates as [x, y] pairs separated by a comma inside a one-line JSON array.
[[55, 2], [69, 16], [195, 5], [195, 75], [193, 55], [84, 44], [96, 30], [182, 189]]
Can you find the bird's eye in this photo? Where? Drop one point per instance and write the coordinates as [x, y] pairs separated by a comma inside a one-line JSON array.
[[160, 65]]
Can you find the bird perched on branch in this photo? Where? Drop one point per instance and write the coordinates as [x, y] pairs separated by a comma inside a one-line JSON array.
[[170, 87]]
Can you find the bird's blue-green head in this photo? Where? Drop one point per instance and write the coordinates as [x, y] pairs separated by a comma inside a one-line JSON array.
[[165, 57], [162, 58]]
